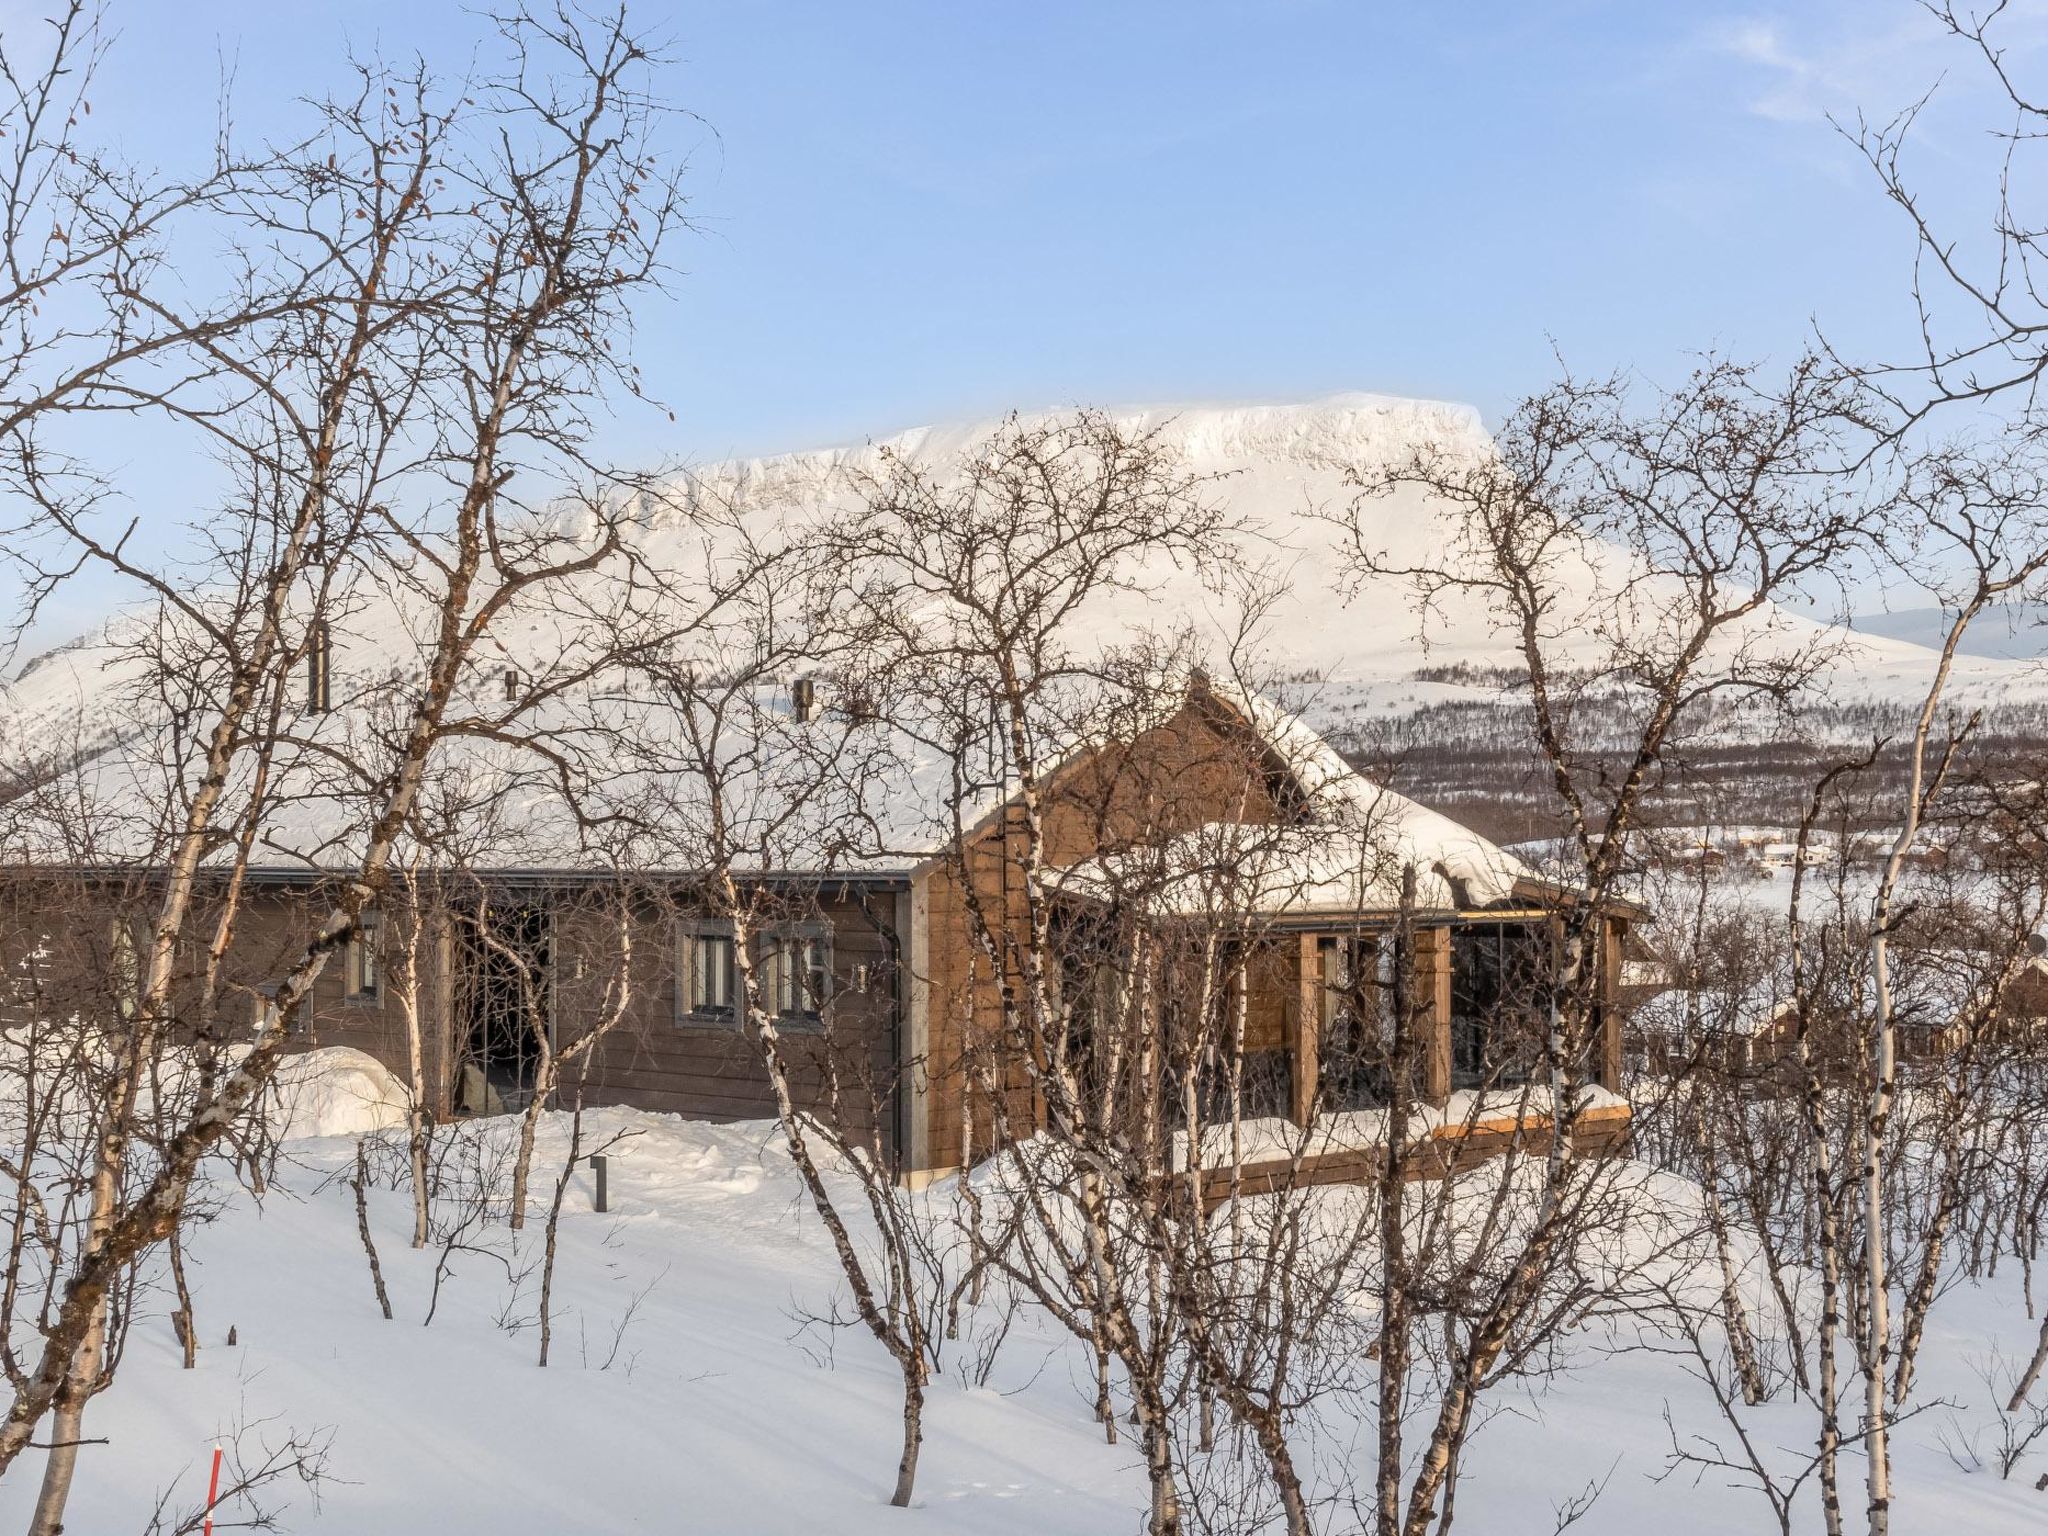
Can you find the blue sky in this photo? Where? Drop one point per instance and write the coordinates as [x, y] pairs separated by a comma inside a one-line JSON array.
[[913, 211], [924, 211]]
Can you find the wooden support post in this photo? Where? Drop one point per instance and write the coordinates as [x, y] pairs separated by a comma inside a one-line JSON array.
[[913, 1004], [1433, 987], [439, 1024], [1607, 1056], [1308, 1022]]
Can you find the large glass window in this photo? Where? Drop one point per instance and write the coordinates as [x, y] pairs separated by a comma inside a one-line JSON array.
[[1252, 986], [1356, 1036], [1497, 1003]]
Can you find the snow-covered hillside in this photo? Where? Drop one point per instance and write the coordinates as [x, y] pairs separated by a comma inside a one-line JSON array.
[[688, 1393], [1280, 471]]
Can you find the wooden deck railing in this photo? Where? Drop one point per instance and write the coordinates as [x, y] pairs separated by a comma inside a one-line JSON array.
[[1448, 1149]]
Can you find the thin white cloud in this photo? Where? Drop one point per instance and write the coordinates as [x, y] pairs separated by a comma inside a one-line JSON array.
[[1832, 60], [1759, 42]]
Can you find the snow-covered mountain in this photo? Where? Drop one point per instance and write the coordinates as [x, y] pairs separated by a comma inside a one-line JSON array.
[[1281, 470], [2015, 632]]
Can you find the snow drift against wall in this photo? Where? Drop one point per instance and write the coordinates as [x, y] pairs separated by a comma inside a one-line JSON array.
[[335, 1091]]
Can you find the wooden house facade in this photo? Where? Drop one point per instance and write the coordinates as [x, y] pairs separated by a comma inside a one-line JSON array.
[[888, 977]]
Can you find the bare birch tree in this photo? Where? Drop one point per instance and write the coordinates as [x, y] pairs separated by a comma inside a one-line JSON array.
[[978, 581], [441, 278], [1632, 554]]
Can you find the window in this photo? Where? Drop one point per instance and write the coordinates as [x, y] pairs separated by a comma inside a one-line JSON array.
[[796, 973], [1356, 1038], [365, 971], [1498, 1026], [704, 981], [126, 968], [319, 669]]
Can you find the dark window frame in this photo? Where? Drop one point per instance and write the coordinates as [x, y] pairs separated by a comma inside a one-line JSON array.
[[363, 962], [695, 939], [779, 994]]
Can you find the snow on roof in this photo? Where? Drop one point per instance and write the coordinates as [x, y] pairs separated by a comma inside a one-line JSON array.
[[879, 807], [890, 804], [1474, 871], [1346, 854]]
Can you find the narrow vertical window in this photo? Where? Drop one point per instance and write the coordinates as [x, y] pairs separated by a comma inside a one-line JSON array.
[[817, 972], [365, 971], [319, 669], [1335, 957], [714, 972]]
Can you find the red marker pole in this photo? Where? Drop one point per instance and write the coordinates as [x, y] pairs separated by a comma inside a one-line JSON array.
[[212, 1492]]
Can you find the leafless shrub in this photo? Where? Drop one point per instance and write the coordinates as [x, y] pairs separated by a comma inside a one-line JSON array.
[[259, 1462], [2010, 1437]]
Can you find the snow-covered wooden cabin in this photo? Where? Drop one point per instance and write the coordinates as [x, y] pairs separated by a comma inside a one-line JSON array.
[[879, 979], [1234, 816]]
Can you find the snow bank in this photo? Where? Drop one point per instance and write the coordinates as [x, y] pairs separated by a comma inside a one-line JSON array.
[[679, 1383], [335, 1091]]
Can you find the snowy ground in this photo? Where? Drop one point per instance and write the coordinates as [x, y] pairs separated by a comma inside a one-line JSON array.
[[718, 1410]]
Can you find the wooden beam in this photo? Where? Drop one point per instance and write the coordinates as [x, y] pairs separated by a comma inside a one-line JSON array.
[[1447, 1150], [1609, 1047], [1433, 983], [1308, 1021]]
